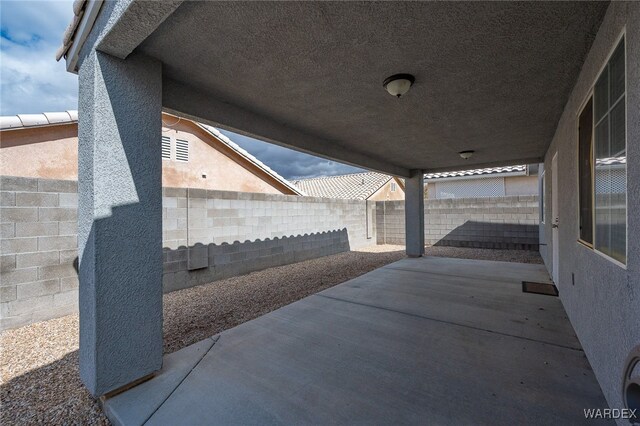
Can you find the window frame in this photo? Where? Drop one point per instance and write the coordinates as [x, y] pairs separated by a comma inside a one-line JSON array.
[[591, 95], [592, 154], [542, 195]]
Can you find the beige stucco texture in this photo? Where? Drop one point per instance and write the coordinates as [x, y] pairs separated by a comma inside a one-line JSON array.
[[386, 194], [521, 185], [51, 152]]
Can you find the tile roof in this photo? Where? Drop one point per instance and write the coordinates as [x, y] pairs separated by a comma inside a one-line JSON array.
[[477, 172], [32, 120], [611, 161], [70, 32], [356, 186], [53, 118]]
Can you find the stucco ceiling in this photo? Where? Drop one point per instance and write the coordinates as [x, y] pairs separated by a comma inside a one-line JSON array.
[[490, 76]]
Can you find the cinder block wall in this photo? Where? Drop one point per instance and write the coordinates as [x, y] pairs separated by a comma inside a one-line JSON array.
[[224, 217], [38, 235], [200, 264], [208, 235], [500, 222], [232, 233]]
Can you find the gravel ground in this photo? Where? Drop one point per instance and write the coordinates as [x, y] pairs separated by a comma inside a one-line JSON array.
[[39, 381], [221, 305]]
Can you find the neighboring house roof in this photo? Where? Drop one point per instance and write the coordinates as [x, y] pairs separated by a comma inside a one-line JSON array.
[[520, 169], [32, 120], [356, 186], [611, 161], [69, 117]]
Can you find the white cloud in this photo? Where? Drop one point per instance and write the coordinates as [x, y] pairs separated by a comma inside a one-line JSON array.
[[33, 82], [31, 79]]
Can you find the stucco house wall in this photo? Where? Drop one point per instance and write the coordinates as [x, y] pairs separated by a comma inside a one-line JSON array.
[[225, 170], [601, 297], [386, 194], [521, 185], [51, 152]]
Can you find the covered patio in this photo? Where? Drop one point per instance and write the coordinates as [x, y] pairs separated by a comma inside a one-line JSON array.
[[426, 340], [494, 84]]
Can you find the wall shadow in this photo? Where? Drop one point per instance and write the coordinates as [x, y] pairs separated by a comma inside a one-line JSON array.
[[473, 234], [51, 394], [54, 393], [198, 264], [193, 314], [119, 271]]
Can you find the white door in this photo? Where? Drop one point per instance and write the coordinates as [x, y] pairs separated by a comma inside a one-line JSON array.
[[555, 220]]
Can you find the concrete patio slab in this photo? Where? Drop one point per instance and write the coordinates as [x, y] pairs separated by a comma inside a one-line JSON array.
[[465, 292], [138, 404], [428, 340]]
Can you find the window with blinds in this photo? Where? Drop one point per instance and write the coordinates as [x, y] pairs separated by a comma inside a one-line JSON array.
[[610, 152], [182, 150], [166, 148]]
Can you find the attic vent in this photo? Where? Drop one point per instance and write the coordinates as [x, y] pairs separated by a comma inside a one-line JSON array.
[[166, 148], [182, 150]]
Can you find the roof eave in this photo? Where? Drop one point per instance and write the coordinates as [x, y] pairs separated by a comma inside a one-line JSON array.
[[84, 28], [38, 126], [253, 161], [477, 176], [31, 121]]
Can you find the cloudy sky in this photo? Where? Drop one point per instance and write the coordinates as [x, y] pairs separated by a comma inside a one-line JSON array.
[[33, 82]]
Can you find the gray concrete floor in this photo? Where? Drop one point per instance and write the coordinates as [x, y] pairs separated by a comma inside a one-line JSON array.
[[420, 341]]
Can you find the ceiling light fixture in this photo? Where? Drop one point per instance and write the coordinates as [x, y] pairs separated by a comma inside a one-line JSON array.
[[398, 84], [466, 154]]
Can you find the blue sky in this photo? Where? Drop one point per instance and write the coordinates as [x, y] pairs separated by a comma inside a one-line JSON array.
[[33, 82]]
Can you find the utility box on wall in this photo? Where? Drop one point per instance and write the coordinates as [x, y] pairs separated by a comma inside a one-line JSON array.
[[198, 257]]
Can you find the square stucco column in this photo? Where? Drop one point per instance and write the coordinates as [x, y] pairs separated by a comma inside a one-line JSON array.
[[414, 213], [119, 220]]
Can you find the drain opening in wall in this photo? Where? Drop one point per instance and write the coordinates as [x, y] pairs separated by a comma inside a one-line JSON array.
[[631, 384], [539, 288], [632, 396]]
